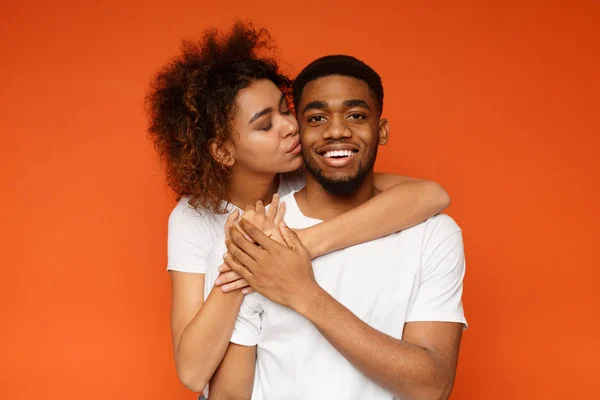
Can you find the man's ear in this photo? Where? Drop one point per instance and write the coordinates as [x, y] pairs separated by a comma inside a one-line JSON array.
[[223, 153], [384, 131]]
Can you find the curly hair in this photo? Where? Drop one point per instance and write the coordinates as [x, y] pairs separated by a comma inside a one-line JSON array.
[[191, 101]]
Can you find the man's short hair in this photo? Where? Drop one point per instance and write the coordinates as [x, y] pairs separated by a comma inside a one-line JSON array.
[[339, 65]]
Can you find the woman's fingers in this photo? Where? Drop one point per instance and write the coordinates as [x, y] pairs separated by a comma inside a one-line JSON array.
[[224, 268], [272, 211], [280, 214], [230, 221], [239, 284], [227, 277], [260, 208]]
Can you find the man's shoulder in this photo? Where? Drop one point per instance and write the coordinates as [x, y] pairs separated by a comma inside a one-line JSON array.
[[433, 230], [441, 226]]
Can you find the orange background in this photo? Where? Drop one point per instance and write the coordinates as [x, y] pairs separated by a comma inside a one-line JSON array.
[[498, 102]]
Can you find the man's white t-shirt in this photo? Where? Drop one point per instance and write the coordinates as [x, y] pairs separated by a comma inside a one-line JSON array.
[[413, 275]]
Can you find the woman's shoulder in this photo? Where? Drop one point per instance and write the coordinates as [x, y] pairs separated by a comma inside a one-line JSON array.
[[185, 217], [192, 234]]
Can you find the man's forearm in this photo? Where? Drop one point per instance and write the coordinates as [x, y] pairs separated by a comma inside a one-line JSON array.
[[405, 369]]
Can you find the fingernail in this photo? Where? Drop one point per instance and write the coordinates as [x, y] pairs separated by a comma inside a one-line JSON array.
[[225, 256], [226, 288], [218, 282], [244, 291]]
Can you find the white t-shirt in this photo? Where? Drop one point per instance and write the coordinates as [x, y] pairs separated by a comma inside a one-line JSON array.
[[413, 275]]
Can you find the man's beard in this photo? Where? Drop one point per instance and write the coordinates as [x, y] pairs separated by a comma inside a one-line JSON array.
[[342, 186]]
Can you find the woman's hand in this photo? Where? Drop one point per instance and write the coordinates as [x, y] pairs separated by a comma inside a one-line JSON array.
[[229, 280], [266, 220]]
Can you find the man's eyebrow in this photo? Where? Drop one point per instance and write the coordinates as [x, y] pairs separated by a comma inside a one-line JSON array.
[[356, 103], [314, 105]]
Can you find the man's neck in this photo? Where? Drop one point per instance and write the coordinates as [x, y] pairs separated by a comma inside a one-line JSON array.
[[315, 202], [246, 188]]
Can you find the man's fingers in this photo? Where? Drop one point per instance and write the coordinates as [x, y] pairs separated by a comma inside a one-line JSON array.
[[280, 214], [241, 230], [257, 235], [291, 239], [272, 211], [230, 221], [243, 246]]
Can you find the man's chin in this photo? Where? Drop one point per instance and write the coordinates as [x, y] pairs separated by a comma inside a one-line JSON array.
[[340, 186], [338, 176]]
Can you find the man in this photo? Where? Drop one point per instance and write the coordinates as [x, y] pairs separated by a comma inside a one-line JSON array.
[[379, 320]]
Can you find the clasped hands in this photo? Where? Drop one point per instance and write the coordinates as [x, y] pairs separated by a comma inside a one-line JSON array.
[[265, 255]]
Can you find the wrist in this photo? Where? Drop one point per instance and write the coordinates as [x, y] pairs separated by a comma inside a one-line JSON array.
[[309, 300], [309, 238]]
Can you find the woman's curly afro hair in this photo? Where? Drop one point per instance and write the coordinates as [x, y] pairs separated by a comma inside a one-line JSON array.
[[191, 101]]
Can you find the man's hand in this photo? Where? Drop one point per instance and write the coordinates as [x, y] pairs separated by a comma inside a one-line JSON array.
[[282, 274]]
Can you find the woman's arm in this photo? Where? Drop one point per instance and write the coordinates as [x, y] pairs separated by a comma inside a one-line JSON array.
[[402, 203], [234, 379], [201, 330]]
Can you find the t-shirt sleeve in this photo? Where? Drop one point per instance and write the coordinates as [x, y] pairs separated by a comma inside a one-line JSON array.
[[189, 240], [439, 297], [248, 324]]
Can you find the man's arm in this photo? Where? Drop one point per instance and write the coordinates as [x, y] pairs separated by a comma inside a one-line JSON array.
[[422, 365], [234, 378]]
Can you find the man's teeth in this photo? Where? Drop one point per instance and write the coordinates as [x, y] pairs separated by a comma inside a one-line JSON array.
[[339, 153]]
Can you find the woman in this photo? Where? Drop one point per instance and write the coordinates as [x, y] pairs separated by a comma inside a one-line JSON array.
[[219, 116]]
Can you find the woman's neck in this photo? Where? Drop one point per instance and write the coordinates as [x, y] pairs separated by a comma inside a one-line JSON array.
[[247, 188]]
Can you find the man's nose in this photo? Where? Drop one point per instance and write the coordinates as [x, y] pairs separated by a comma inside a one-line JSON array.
[[337, 129]]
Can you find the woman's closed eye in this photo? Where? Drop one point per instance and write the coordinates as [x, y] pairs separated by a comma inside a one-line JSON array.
[[266, 127]]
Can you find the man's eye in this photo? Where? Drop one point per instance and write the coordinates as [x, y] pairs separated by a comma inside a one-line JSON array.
[[358, 116], [316, 118]]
